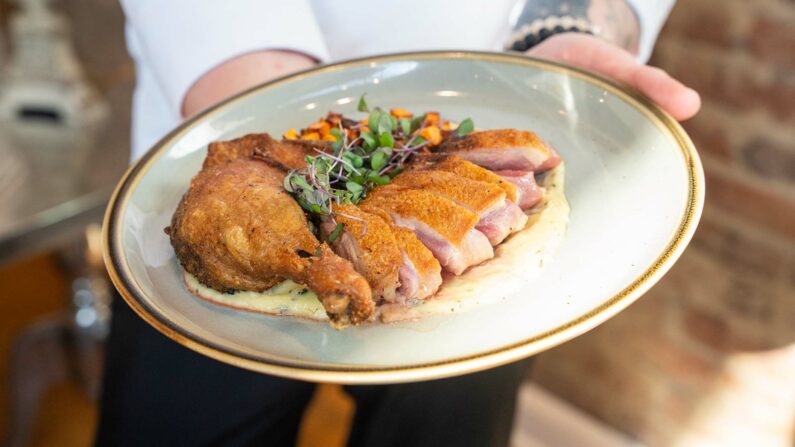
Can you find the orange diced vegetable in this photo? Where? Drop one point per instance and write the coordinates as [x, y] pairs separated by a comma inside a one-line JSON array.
[[310, 136], [432, 134], [432, 118], [321, 126], [447, 126], [400, 113], [290, 134], [329, 137]]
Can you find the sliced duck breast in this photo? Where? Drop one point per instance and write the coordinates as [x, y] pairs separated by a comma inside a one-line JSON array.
[[528, 193], [421, 274], [467, 169], [503, 149], [497, 216], [446, 228], [367, 241]]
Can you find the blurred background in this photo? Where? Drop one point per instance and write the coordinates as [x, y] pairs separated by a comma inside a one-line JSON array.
[[706, 358]]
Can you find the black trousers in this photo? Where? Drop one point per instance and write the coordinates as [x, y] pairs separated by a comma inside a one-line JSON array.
[[157, 392]]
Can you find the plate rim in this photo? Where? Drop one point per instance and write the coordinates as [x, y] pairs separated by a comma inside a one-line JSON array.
[[364, 374]]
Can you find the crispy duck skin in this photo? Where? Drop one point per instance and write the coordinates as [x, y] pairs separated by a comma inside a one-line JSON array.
[[220, 153], [463, 168], [478, 197], [446, 228], [237, 229], [343, 291], [288, 154], [497, 216], [503, 149], [368, 242], [421, 274], [284, 154], [520, 186]]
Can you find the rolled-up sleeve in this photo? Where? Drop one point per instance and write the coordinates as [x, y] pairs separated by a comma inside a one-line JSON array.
[[183, 39], [651, 17]]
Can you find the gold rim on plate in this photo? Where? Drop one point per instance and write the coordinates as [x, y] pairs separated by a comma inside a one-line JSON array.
[[360, 374]]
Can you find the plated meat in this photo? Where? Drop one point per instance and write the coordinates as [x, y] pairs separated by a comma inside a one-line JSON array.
[[497, 216], [421, 274], [479, 197], [284, 154], [503, 149], [528, 193], [238, 228], [472, 171], [287, 154], [367, 242], [446, 228], [224, 233], [398, 267]]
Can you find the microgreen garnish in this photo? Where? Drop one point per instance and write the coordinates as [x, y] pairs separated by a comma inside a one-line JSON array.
[[465, 127], [362, 107], [361, 158], [337, 232]]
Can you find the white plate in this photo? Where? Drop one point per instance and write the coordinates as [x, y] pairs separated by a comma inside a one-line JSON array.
[[633, 180]]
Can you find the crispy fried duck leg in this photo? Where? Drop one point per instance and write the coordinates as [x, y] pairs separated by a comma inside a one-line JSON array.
[[237, 229]]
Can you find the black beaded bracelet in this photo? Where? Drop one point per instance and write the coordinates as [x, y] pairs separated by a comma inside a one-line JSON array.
[[530, 35]]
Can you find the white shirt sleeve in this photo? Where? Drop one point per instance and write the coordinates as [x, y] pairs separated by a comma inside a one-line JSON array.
[[183, 39], [651, 17]]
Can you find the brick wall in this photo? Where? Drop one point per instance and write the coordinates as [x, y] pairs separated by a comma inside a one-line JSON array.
[[708, 356]]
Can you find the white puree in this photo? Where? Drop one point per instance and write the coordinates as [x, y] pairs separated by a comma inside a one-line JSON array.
[[522, 255]]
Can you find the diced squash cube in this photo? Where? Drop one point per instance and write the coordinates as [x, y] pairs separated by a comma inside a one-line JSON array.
[[400, 113], [432, 134], [290, 134], [322, 127]]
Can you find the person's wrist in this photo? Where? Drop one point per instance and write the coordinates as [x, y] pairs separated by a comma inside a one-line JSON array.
[[612, 20], [531, 34]]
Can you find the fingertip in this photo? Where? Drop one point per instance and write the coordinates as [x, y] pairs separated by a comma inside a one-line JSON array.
[[687, 104], [677, 99]]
